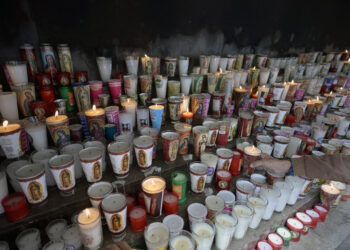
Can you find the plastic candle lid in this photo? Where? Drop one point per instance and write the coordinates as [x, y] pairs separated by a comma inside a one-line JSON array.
[[263, 245], [174, 222], [284, 233], [312, 213], [214, 203], [143, 141], [118, 147], [197, 210], [275, 240], [227, 196], [294, 224], [304, 218]]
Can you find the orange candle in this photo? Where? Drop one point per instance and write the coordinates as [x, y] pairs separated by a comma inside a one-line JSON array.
[[187, 117]]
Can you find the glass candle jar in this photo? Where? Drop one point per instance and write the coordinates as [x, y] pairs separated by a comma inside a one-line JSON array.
[[285, 189], [198, 173], [156, 236], [225, 226], [272, 196], [203, 233], [244, 188], [215, 205], [258, 204]]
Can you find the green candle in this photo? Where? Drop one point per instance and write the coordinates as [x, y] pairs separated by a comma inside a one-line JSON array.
[[285, 234], [179, 183]]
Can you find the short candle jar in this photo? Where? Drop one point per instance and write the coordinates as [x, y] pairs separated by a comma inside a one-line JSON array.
[[225, 226], [203, 233], [156, 236], [244, 215], [258, 204], [183, 241], [90, 226]]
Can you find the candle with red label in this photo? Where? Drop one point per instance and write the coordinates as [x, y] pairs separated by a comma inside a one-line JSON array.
[[130, 202], [314, 216], [275, 241], [223, 179], [322, 211], [236, 163], [15, 206], [170, 204], [251, 154], [137, 218]]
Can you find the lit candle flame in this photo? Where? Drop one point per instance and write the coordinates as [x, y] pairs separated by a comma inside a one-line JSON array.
[[331, 93], [254, 68], [187, 110], [240, 87], [146, 56], [317, 98], [56, 114], [87, 213], [220, 70], [346, 51], [341, 88], [263, 86], [156, 105], [349, 60], [5, 123], [292, 81], [94, 107], [128, 100]]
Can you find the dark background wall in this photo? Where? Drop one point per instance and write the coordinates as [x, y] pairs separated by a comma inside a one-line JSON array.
[[117, 28]]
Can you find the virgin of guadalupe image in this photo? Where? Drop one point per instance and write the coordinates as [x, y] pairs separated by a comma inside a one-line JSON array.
[[35, 191], [173, 149], [213, 138], [96, 130], [67, 62], [62, 138], [142, 158], [96, 170], [202, 143], [50, 67], [171, 69], [184, 144], [26, 100], [125, 162], [83, 98], [226, 165], [116, 222], [200, 183], [66, 178]]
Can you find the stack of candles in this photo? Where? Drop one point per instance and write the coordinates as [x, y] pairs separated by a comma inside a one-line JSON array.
[[293, 105]]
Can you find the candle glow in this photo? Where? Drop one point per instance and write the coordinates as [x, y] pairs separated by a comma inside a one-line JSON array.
[[5, 123]]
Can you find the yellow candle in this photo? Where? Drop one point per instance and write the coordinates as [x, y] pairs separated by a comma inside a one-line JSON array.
[[10, 137], [7, 128], [153, 185], [58, 126], [96, 122], [56, 118], [94, 111]]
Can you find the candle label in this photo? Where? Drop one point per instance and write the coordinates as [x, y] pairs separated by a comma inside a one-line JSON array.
[[216, 106], [35, 190], [232, 131], [174, 111], [200, 140], [259, 124], [184, 140], [144, 156], [116, 221], [173, 148], [295, 235], [96, 126], [212, 135], [281, 116], [146, 86], [25, 98], [170, 68], [92, 170], [82, 96], [60, 133], [120, 163], [177, 190], [11, 145], [125, 128], [224, 163], [64, 177], [154, 203], [197, 183]]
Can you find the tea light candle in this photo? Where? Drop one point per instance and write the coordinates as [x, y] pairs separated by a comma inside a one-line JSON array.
[[156, 236], [10, 140], [305, 219], [225, 226], [244, 215], [263, 245], [275, 241], [130, 106], [90, 226], [315, 217], [29, 239], [55, 228], [137, 218], [58, 126], [203, 233]]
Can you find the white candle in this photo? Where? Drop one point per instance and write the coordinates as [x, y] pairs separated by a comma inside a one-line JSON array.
[[3, 189], [203, 233], [186, 82], [132, 64], [71, 236], [10, 138], [100, 145], [175, 224], [74, 149], [126, 122], [156, 236], [91, 162], [55, 228], [161, 85], [264, 76], [11, 170], [182, 242], [38, 132], [297, 183], [142, 118], [244, 215], [43, 157], [183, 65], [286, 190], [271, 195], [8, 106], [211, 160], [259, 206], [29, 239], [130, 84], [130, 107], [214, 64], [104, 65], [225, 226], [18, 72], [98, 191], [54, 245], [90, 226]]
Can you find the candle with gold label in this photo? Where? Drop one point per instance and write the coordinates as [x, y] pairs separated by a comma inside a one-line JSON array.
[[10, 140], [58, 126], [96, 121]]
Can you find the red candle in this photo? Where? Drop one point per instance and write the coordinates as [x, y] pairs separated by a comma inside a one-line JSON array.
[[305, 219], [141, 198], [187, 117], [310, 145], [81, 76], [130, 202], [15, 206], [222, 137], [322, 211], [314, 216], [138, 219], [170, 203], [223, 179], [263, 245], [295, 226], [275, 241], [289, 120], [236, 163]]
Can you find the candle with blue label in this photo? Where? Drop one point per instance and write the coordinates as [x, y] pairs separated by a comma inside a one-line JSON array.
[[156, 112]]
